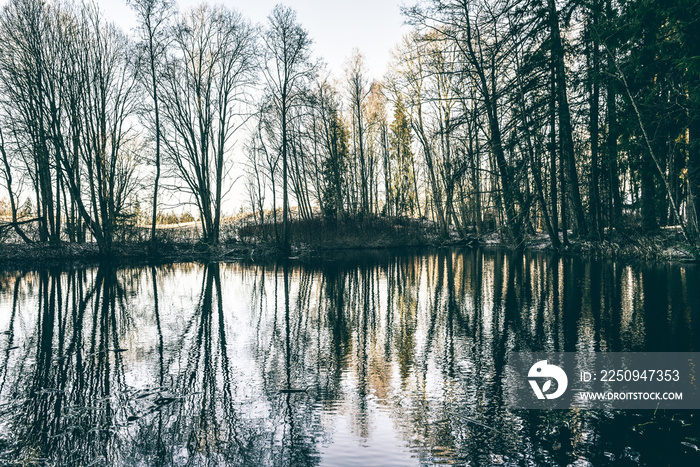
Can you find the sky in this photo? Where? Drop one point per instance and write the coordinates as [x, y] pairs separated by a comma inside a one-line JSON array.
[[336, 27]]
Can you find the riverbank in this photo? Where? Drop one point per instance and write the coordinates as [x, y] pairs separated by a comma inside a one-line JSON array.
[[665, 245], [317, 239]]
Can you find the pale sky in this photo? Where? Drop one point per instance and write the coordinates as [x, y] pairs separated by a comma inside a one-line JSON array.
[[336, 27]]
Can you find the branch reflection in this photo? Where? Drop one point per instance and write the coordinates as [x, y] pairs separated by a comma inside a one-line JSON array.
[[398, 356]]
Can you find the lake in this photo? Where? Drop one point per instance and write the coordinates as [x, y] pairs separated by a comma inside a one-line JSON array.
[[382, 358]]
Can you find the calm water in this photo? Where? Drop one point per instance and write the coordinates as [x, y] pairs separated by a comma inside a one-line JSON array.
[[385, 360]]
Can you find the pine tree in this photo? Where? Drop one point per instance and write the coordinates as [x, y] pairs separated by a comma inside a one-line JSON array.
[[334, 166], [403, 193]]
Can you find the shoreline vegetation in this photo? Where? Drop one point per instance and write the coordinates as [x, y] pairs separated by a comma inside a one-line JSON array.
[[319, 238]]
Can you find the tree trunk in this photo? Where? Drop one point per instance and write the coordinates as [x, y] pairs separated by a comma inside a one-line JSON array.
[[156, 111], [554, 197], [285, 199], [615, 200], [594, 191], [565, 127]]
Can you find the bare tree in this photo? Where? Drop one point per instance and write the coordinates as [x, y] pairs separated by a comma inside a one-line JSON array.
[[358, 88], [206, 81], [412, 76], [25, 67], [153, 16], [287, 70], [479, 33], [257, 158], [69, 82], [102, 103]]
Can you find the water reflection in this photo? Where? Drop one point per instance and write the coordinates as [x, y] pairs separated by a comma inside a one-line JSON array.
[[391, 360]]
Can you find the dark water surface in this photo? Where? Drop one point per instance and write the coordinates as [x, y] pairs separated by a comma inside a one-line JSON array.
[[385, 360]]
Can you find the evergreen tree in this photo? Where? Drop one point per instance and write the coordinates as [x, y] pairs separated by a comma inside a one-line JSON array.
[[334, 167], [402, 190]]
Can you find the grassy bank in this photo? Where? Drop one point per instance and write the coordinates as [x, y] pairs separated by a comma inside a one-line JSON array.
[[317, 237], [372, 232], [626, 244]]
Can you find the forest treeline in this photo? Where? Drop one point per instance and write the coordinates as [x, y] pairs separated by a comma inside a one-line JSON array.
[[576, 117]]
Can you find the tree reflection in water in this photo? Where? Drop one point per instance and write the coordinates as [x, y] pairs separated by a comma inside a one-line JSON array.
[[397, 359]]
